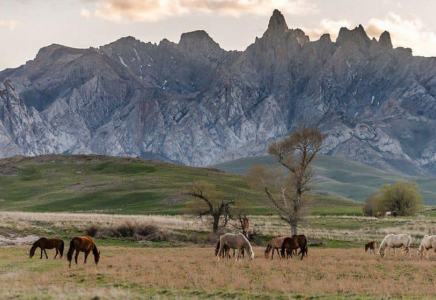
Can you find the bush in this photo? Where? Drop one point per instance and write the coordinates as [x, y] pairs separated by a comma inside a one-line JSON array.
[[92, 230], [140, 232]]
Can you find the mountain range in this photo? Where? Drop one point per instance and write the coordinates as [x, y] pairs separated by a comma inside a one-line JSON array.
[[195, 103]]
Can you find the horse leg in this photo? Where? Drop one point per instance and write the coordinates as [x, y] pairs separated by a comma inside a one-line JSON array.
[[86, 256], [76, 256], [46, 256], [56, 253], [272, 255], [41, 254]]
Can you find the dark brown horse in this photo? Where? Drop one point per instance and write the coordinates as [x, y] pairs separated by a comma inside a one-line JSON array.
[[83, 244], [371, 246], [45, 243], [293, 243]]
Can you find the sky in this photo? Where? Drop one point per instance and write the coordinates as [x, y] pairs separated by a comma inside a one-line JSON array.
[[28, 25]]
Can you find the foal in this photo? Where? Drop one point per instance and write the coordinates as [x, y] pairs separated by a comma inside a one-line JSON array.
[[371, 246]]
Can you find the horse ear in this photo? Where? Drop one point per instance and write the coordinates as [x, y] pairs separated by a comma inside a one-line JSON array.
[[99, 252]]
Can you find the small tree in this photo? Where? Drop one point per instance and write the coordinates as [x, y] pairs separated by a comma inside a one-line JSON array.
[[403, 198], [372, 204], [287, 194], [208, 201]]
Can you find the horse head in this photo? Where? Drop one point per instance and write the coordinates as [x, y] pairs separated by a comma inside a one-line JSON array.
[[97, 257]]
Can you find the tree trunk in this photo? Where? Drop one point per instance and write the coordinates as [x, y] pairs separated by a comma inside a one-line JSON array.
[[216, 222], [293, 229]]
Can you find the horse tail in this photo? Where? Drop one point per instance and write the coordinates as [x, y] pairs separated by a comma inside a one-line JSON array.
[[70, 251], [305, 252], [217, 248], [61, 248]]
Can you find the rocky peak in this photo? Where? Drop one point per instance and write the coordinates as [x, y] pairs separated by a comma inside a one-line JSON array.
[[199, 42], [277, 23], [385, 40], [357, 37]]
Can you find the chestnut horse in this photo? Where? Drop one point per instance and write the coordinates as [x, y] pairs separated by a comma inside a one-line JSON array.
[[45, 243], [275, 244], [83, 244], [293, 243]]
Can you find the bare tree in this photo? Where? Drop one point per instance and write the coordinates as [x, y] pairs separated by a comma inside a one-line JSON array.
[[208, 201], [243, 223], [287, 193]]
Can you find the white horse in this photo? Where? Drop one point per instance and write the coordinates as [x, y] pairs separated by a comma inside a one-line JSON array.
[[428, 242], [395, 241], [235, 241]]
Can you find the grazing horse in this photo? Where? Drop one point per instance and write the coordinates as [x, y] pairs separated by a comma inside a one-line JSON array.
[[83, 244], [428, 242], [395, 241], [292, 243], [234, 241], [226, 251], [45, 243], [371, 246], [275, 244]]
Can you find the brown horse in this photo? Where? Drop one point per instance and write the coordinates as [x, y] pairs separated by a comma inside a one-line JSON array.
[[275, 244], [371, 246], [45, 243], [83, 244], [293, 243]]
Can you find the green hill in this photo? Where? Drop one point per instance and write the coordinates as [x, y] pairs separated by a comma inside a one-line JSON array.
[[342, 177], [92, 183]]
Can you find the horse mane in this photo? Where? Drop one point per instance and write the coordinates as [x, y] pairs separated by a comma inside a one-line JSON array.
[[384, 242], [247, 244], [95, 250], [34, 246]]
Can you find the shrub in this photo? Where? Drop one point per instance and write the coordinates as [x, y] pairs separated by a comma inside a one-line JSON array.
[[92, 230]]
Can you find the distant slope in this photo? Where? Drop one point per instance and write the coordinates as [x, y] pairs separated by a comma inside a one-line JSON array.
[[342, 177], [92, 183]]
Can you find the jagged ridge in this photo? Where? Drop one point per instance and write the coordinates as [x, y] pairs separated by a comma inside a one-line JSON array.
[[195, 103]]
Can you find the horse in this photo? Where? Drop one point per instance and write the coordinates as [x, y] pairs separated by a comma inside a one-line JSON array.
[[395, 241], [292, 243], [275, 244], [45, 243], [226, 251], [83, 244], [235, 241], [371, 246], [428, 242]]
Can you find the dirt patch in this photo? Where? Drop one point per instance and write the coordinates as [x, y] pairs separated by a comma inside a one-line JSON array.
[[13, 240]]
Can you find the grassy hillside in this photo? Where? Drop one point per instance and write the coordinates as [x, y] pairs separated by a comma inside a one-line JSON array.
[[342, 177], [91, 183]]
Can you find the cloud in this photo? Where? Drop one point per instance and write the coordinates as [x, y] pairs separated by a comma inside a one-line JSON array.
[[328, 26], [156, 10], [9, 24], [85, 13], [410, 33]]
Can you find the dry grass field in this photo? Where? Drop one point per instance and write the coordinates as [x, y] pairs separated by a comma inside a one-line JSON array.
[[192, 273], [336, 268]]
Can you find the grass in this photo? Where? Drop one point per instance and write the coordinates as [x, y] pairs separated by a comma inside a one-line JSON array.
[[192, 273], [342, 177], [115, 185]]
